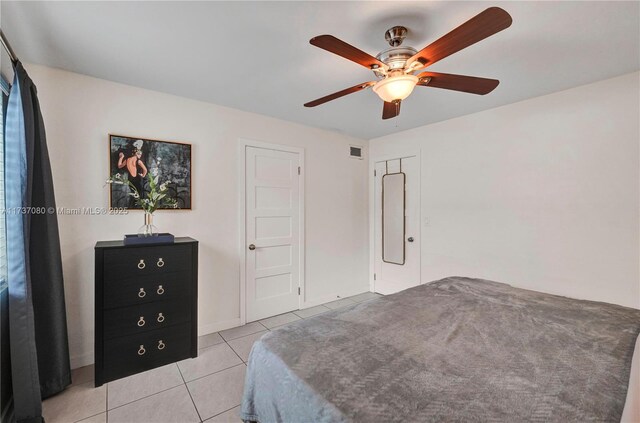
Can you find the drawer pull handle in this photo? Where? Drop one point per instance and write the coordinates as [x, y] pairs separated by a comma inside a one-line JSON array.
[[160, 318], [142, 294], [142, 264], [160, 262], [141, 322], [161, 345], [141, 351], [160, 290]]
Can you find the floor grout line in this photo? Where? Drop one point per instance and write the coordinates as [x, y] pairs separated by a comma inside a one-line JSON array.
[[215, 415], [227, 340], [217, 371], [234, 351], [189, 392], [185, 383], [88, 417], [146, 396]]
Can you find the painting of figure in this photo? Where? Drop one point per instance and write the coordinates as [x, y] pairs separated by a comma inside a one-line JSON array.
[[135, 159]]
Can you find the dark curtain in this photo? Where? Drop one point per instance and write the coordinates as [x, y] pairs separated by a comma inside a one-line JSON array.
[[37, 316]]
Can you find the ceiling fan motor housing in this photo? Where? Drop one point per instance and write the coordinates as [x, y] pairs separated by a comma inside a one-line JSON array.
[[395, 58]]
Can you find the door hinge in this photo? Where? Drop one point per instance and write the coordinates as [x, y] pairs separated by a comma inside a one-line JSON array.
[[374, 276], [374, 172], [298, 170], [298, 290]]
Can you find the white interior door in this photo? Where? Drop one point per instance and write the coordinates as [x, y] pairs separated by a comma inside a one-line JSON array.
[[397, 270], [272, 232]]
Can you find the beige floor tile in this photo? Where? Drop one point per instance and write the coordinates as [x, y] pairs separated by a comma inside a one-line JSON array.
[[82, 375], [282, 319], [218, 392], [206, 341], [365, 296], [339, 303], [241, 331], [75, 403], [242, 346], [231, 416], [171, 406], [132, 388], [312, 311], [98, 418], [209, 360]]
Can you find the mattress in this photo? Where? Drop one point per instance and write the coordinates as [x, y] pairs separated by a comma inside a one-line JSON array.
[[458, 349]]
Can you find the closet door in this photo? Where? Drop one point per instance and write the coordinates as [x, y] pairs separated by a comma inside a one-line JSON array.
[[397, 224]]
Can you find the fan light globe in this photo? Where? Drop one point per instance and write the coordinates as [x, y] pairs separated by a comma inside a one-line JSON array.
[[395, 87]]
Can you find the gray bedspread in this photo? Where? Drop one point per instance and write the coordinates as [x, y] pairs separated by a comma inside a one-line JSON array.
[[454, 350]]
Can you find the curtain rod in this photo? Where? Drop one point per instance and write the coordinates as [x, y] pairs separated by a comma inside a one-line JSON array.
[[7, 46]]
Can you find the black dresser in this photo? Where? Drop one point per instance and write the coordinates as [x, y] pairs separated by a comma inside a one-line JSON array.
[[146, 300]]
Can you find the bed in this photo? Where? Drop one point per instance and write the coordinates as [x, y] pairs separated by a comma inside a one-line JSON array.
[[454, 350]]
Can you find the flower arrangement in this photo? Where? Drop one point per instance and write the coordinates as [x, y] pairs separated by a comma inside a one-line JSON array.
[[156, 197]]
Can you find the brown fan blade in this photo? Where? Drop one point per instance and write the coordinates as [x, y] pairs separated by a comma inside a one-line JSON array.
[[481, 26], [339, 47], [391, 110], [339, 94], [467, 84]]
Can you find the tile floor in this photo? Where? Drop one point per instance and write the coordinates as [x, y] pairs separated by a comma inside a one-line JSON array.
[[206, 388]]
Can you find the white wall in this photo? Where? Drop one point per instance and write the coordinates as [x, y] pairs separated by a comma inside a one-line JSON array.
[[80, 112], [541, 194]]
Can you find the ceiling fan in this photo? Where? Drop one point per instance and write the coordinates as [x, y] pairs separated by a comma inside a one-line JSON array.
[[395, 66]]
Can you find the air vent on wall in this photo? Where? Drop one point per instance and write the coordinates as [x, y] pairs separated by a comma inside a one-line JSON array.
[[355, 152]]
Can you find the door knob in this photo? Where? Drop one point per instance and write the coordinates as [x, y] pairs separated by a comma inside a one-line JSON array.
[[252, 247], [410, 239]]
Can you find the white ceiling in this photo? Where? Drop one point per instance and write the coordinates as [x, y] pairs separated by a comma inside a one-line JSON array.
[[255, 56]]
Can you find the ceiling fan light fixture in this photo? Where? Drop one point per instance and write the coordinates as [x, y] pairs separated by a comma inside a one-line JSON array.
[[395, 87]]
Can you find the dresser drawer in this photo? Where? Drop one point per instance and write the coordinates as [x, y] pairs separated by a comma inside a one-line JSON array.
[[143, 318], [131, 354], [131, 262], [144, 289]]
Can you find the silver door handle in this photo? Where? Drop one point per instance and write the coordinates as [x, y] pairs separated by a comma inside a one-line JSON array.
[[252, 247]]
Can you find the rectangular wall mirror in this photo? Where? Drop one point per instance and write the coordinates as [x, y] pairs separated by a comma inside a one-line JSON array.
[[393, 225]]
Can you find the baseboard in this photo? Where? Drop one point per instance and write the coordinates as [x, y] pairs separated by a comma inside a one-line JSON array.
[[328, 298], [81, 360], [218, 326]]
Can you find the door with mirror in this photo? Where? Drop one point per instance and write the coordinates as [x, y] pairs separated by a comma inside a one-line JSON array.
[[397, 230]]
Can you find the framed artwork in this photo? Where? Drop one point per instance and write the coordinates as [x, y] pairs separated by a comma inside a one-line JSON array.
[[136, 159]]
